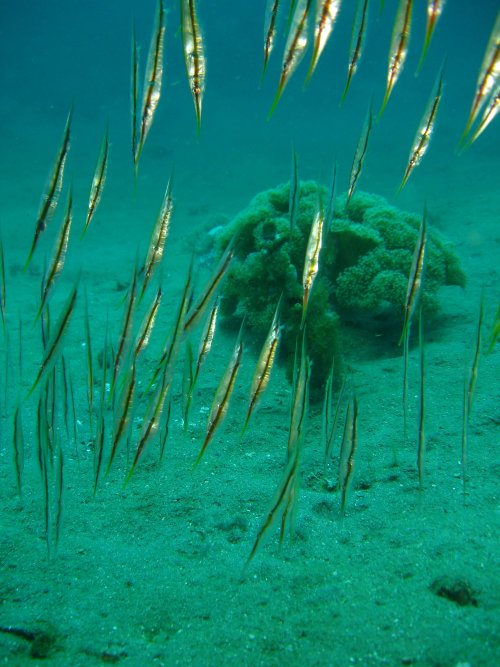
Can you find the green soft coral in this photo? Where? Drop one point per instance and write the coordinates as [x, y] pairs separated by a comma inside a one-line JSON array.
[[375, 284], [364, 266]]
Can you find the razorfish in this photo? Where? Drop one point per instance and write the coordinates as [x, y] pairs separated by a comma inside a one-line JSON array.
[[490, 111], [360, 155], [269, 31], [399, 47], [357, 42], [311, 263], [434, 11], [488, 77], [295, 47], [98, 181], [152, 81], [326, 15], [223, 394], [54, 344], [264, 365], [59, 255], [52, 192], [194, 55], [425, 130]]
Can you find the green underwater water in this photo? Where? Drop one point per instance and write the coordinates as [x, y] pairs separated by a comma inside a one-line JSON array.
[[156, 571]]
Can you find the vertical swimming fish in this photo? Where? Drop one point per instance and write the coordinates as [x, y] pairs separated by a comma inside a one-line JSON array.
[[280, 501], [434, 11], [357, 42], [54, 343], [164, 434], [475, 362], [465, 438], [171, 347], [360, 155], [59, 484], [101, 428], [98, 181], [286, 495], [326, 15], [90, 369], [148, 324], [412, 297], [421, 413], [64, 375], [311, 263], [59, 256], [187, 381], [159, 236], [399, 47], [495, 331], [295, 47], [425, 130], [330, 425], [223, 394], [51, 195], [264, 366], [348, 452], [122, 418], [43, 462], [18, 444], [194, 55], [197, 310], [45, 319], [293, 200], [469, 387], [73, 412], [272, 7], [330, 209], [152, 81], [207, 338], [327, 412], [126, 329], [415, 277], [490, 111], [51, 394], [2, 285], [300, 388], [152, 421], [488, 77], [291, 12], [134, 92], [20, 349], [204, 348], [298, 416]]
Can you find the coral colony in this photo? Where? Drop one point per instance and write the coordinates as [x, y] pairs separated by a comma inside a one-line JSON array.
[[294, 266], [365, 263]]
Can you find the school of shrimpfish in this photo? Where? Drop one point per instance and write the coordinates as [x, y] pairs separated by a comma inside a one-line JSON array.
[[121, 390]]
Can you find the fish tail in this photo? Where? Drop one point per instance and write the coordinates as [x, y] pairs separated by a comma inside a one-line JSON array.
[[208, 437], [33, 387], [404, 332], [245, 425], [403, 181], [39, 311], [346, 90], [262, 76], [277, 98], [128, 477], [384, 102], [30, 254]]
